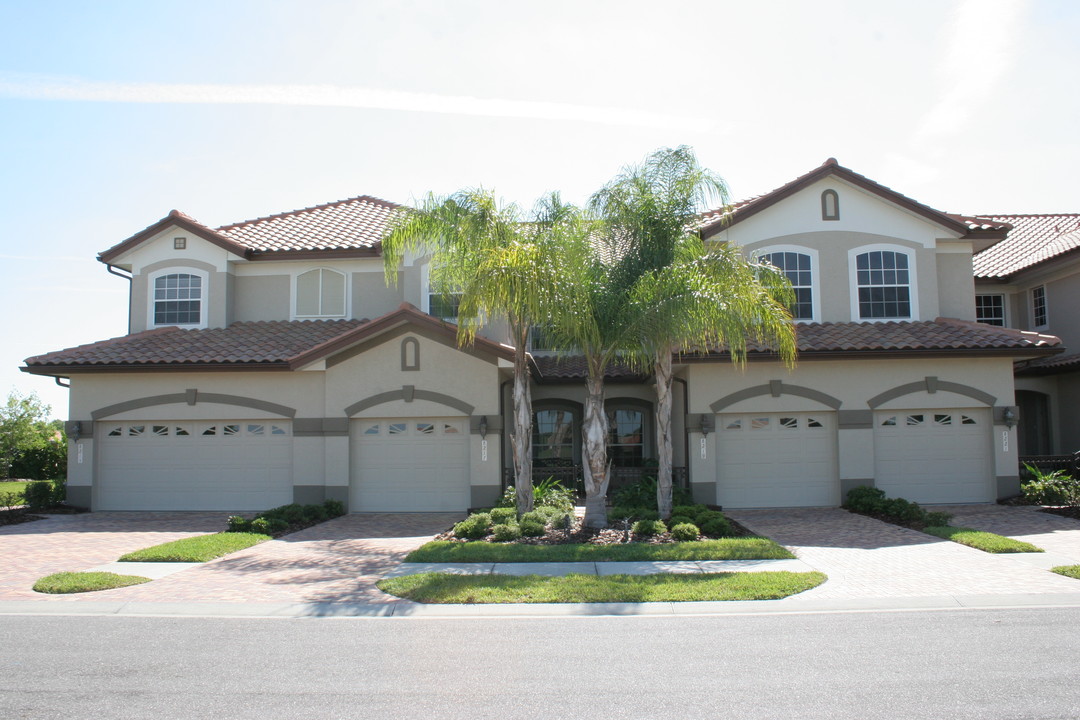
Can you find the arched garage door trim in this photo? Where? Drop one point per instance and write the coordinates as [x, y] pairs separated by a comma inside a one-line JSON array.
[[776, 388], [193, 397], [408, 393], [931, 385]]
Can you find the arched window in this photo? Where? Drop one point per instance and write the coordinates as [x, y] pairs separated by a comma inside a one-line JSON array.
[[884, 280], [179, 298], [798, 267], [555, 431], [627, 426], [830, 205], [410, 354], [320, 293]]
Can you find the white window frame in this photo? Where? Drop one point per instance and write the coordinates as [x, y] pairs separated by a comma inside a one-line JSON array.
[[1004, 307], [294, 315], [913, 280], [204, 300], [425, 291], [1046, 308], [815, 274]]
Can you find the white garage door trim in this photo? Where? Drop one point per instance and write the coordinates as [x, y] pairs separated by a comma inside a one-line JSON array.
[[777, 460], [934, 456], [409, 465], [240, 465]]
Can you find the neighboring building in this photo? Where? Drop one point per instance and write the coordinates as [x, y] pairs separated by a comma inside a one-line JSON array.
[[252, 376], [1031, 280]]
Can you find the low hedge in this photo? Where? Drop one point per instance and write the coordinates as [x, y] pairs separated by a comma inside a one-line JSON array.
[[287, 518], [873, 501]]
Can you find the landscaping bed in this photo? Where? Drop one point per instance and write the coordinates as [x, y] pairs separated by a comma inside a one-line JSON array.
[[985, 541], [441, 588], [743, 548], [79, 582], [201, 548], [22, 500]]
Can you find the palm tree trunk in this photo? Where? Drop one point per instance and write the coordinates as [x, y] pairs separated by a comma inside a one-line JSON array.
[[594, 432], [662, 371], [521, 439]]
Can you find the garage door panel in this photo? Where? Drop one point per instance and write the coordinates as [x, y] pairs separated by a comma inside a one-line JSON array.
[[417, 465], [776, 460], [164, 465], [938, 456]]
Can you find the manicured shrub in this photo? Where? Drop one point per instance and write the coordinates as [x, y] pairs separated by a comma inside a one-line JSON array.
[[261, 525], [708, 515], [534, 516], [903, 510], [865, 499], [505, 532], [293, 514], [690, 511], [39, 495], [314, 513], [685, 532], [717, 527], [547, 493], [334, 508], [278, 524], [531, 527], [238, 523], [642, 493], [678, 520], [649, 528], [474, 527], [623, 512], [561, 521], [1050, 488], [503, 516], [937, 519]]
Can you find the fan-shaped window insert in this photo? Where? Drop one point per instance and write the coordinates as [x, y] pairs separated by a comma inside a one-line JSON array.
[[320, 293]]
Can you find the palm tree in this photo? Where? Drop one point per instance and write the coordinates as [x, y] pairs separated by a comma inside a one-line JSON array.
[[500, 264], [678, 294]]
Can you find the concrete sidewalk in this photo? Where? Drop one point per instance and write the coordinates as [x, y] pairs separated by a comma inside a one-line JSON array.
[[602, 568]]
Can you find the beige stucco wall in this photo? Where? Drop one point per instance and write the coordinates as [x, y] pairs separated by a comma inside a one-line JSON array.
[[956, 283], [262, 297]]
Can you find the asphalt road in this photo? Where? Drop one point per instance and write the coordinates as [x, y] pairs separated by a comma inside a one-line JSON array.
[[1022, 663]]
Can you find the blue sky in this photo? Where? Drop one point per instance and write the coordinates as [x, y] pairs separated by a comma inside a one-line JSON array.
[[114, 113]]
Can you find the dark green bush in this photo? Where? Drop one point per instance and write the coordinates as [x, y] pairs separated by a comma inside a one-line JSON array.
[[642, 493], [506, 533], [334, 508], [504, 516], [649, 528], [278, 524], [1051, 488], [690, 511], [534, 516], [865, 499], [238, 523], [314, 513], [678, 520], [561, 522], [717, 527], [685, 532], [292, 514], [547, 493], [532, 527], [937, 519], [473, 527], [39, 495], [261, 525], [47, 461], [873, 501]]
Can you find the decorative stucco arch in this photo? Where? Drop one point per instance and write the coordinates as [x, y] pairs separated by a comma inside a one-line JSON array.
[[408, 393], [776, 388], [193, 397], [931, 385]]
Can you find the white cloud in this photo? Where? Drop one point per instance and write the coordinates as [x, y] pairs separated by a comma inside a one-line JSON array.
[[41, 87], [982, 46]]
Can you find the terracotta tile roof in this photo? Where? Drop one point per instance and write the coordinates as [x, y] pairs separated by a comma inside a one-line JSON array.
[[248, 343], [1033, 239], [717, 220], [353, 224], [1049, 365], [572, 367]]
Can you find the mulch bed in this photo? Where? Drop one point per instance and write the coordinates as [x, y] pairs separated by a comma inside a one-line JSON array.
[[1069, 512]]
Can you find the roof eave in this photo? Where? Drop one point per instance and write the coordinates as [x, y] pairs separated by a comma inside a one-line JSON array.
[[97, 368], [178, 219]]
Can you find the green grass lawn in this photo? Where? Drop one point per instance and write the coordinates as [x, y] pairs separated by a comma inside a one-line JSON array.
[[78, 582], [985, 541], [17, 487], [744, 548], [200, 548], [443, 588], [1072, 571]]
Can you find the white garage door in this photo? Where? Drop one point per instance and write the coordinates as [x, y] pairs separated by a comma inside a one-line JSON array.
[[934, 456], [182, 465], [776, 460], [410, 465]]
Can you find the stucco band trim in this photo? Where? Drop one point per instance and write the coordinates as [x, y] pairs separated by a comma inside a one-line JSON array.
[[931, 385], [409, 393], [191, 399], [776, 388]]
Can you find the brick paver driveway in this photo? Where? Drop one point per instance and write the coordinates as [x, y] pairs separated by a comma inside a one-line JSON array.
[[336, 561], [1054, 534], [866, 558]]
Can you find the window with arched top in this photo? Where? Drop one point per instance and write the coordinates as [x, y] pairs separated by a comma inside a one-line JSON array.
[[830, 205], [410, 354], [178, 297], [555, 434], [320, 293], [799, 269]]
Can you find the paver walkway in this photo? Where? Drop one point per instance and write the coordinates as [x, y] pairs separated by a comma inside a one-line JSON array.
[[336, 561], [866, 558]]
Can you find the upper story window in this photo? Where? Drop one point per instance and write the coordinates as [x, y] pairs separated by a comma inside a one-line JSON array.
[[990, 309], [1038, 306], [320, 293], [830, 205], [444, 307], [799, 269], [178, 298], [884, 282]]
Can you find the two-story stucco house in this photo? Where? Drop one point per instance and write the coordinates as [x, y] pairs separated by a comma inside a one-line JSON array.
[[1031, 280], [268, 361]]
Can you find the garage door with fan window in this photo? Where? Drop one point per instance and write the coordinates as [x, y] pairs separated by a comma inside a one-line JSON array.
[[934, 456], [410, 465], [776, 460], [241, 465]]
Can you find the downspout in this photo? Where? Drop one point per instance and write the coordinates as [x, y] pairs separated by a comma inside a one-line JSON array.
[[686, 435], [118, 272]]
